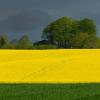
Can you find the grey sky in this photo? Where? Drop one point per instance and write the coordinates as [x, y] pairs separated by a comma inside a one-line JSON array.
[[18, 17]]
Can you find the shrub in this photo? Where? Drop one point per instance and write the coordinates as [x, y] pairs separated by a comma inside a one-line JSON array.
[[44, 47]]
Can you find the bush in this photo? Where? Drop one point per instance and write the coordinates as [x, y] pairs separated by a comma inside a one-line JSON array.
[[44, 47]]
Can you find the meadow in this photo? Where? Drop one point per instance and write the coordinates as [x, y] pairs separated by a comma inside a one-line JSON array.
[[50, 91], [72, 74]]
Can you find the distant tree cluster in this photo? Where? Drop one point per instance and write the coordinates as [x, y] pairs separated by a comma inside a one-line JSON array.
[[61, 33], [22, 43], [68, 33]]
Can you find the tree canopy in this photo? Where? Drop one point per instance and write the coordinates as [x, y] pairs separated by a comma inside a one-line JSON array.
[[68, 33], [64, 32]]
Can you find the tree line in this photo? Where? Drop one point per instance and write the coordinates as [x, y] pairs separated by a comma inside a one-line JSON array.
[[64, 32]]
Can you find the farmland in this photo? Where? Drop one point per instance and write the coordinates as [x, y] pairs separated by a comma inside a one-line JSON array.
[[50, 66], [50, 91], [50, 74]]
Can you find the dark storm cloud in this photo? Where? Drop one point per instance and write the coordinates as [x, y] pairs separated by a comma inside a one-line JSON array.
[[30, 16], [24, 21]]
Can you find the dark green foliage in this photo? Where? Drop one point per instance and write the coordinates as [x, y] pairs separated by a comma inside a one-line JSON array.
[[61, 33], [92, 42], [88, 25], [4, 42], [42, 42], [58, 31], [83, 35], [22, 43], [43, 46], [68, 33], [85, 41], [50, 91]]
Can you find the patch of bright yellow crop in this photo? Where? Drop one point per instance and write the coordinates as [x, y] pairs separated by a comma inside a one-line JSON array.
[[49, 66]]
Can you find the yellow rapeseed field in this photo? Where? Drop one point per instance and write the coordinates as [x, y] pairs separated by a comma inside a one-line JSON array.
[[51, 66]]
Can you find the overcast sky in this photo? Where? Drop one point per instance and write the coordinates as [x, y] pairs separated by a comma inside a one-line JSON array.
[[19, 17]]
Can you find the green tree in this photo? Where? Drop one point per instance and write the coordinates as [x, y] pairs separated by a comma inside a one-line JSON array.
[[78, 40], [68, 33], [85, 41], [43, 46], [4, 44], [87, 26], [23, 43], [59, 31], [75, 27], [92, 42], [83, 34]]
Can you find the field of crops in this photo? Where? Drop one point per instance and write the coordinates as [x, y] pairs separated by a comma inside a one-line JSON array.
[[50, 92], [31, 69], [51, 66]]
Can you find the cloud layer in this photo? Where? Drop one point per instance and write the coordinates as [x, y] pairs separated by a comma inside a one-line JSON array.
[[31, 16]]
